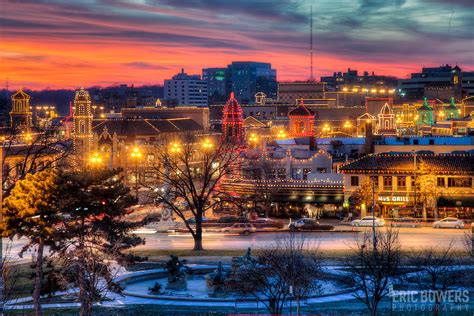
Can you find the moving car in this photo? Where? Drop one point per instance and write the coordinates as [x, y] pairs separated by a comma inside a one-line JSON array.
[[192, 220], [240, 228], [368, 221], [309, 224], [449, 222], [405, 222]]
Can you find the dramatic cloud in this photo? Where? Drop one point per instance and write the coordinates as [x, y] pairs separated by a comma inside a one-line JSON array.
[[52, 43]]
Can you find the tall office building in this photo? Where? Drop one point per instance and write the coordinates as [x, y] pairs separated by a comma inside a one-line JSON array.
[[248, 77], [218, 84], [438, 82], [186, 89]]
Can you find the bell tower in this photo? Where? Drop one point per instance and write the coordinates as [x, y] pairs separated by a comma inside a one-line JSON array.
[[82, 123], [20, 115], [232, 121]]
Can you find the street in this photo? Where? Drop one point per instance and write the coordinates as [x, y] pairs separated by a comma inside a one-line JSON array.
[[410, 238]]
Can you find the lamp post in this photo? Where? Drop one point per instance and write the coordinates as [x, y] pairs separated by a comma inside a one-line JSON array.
[[348, 126], [136, 155], [326, 129], [95, 160], [253, 139], [414, 182], [281, 134]]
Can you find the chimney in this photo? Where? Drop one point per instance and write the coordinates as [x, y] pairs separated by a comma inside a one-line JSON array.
[[312, 143]]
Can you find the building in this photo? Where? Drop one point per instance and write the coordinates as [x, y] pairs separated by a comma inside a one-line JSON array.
[[233, 121], [445, 183], [248, 77], [218, 84], [20, 115], [434, 144], [386, 121], [295, 179], [438, 82], [200, 115], [123, 96], [188, 90], [370, 83], [301, 121], [292, 92], [82, 122]]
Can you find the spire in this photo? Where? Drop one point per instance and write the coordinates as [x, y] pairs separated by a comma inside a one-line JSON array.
[[425, 101], [232, 95], [452, 101]]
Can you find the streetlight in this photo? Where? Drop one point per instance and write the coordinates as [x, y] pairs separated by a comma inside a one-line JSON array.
[[136, 155], [326, 129], [95, 159], [281, 134], [253, 139], [207, 144], [175, 148]]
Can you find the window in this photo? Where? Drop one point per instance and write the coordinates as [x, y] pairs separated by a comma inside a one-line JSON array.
[[441, 182], [415, 142], [354, 181], [322, 170], [295, 173], [431, 141], [402, 183], [306, 171], [281, 173], [387, 183], [459, 182]]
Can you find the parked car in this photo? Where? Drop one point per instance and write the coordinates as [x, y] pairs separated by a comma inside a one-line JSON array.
[[449, 222], [240, 228], [368, 221], [309, 224], [405, 222]]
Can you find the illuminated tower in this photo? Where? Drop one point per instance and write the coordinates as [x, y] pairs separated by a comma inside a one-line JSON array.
[[425, 114], [82, 122], [301, 121], [20, 115], [232, 121]]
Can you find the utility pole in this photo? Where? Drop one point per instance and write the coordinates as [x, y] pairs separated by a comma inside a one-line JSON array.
[[374, 234], [414, 183], [311, 43]]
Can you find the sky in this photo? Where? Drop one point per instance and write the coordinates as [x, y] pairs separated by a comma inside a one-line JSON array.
[[72, 43]]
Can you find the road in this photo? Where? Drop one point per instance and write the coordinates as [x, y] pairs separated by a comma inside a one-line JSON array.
[[410, 238]]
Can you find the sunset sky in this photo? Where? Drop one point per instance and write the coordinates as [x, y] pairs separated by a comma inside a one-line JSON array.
[[66, 44]]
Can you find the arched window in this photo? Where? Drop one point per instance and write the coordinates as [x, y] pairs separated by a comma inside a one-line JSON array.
[[82, 127]]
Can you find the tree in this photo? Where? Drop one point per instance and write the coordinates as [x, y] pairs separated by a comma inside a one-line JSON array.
[[427, 187], [435, 271], [96, 230], [189, 173], [264, 175], [289, 264], [31, 211], [372, 265], [363, 195]]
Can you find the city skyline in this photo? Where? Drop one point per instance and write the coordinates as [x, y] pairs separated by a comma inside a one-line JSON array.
[[50, 44]]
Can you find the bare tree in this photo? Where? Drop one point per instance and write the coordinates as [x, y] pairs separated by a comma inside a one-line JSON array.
[[468, 241], [189, 172], [436, 271], [263, 173], [289, 267], [363, 194], [371, 266]]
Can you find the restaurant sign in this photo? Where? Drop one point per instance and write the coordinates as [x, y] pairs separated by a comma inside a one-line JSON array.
[[393, 199]]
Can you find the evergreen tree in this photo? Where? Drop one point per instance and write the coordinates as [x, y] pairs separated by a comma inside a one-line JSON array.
[[95, 204], [31, 211]]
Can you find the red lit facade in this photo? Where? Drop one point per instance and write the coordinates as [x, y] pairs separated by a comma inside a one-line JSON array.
[[301, 121], [232, 121]]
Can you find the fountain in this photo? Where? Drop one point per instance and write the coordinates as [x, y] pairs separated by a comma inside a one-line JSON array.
[[176, 273], [216, 282]]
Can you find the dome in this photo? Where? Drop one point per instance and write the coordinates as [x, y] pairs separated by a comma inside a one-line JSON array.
[[386, 110]]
